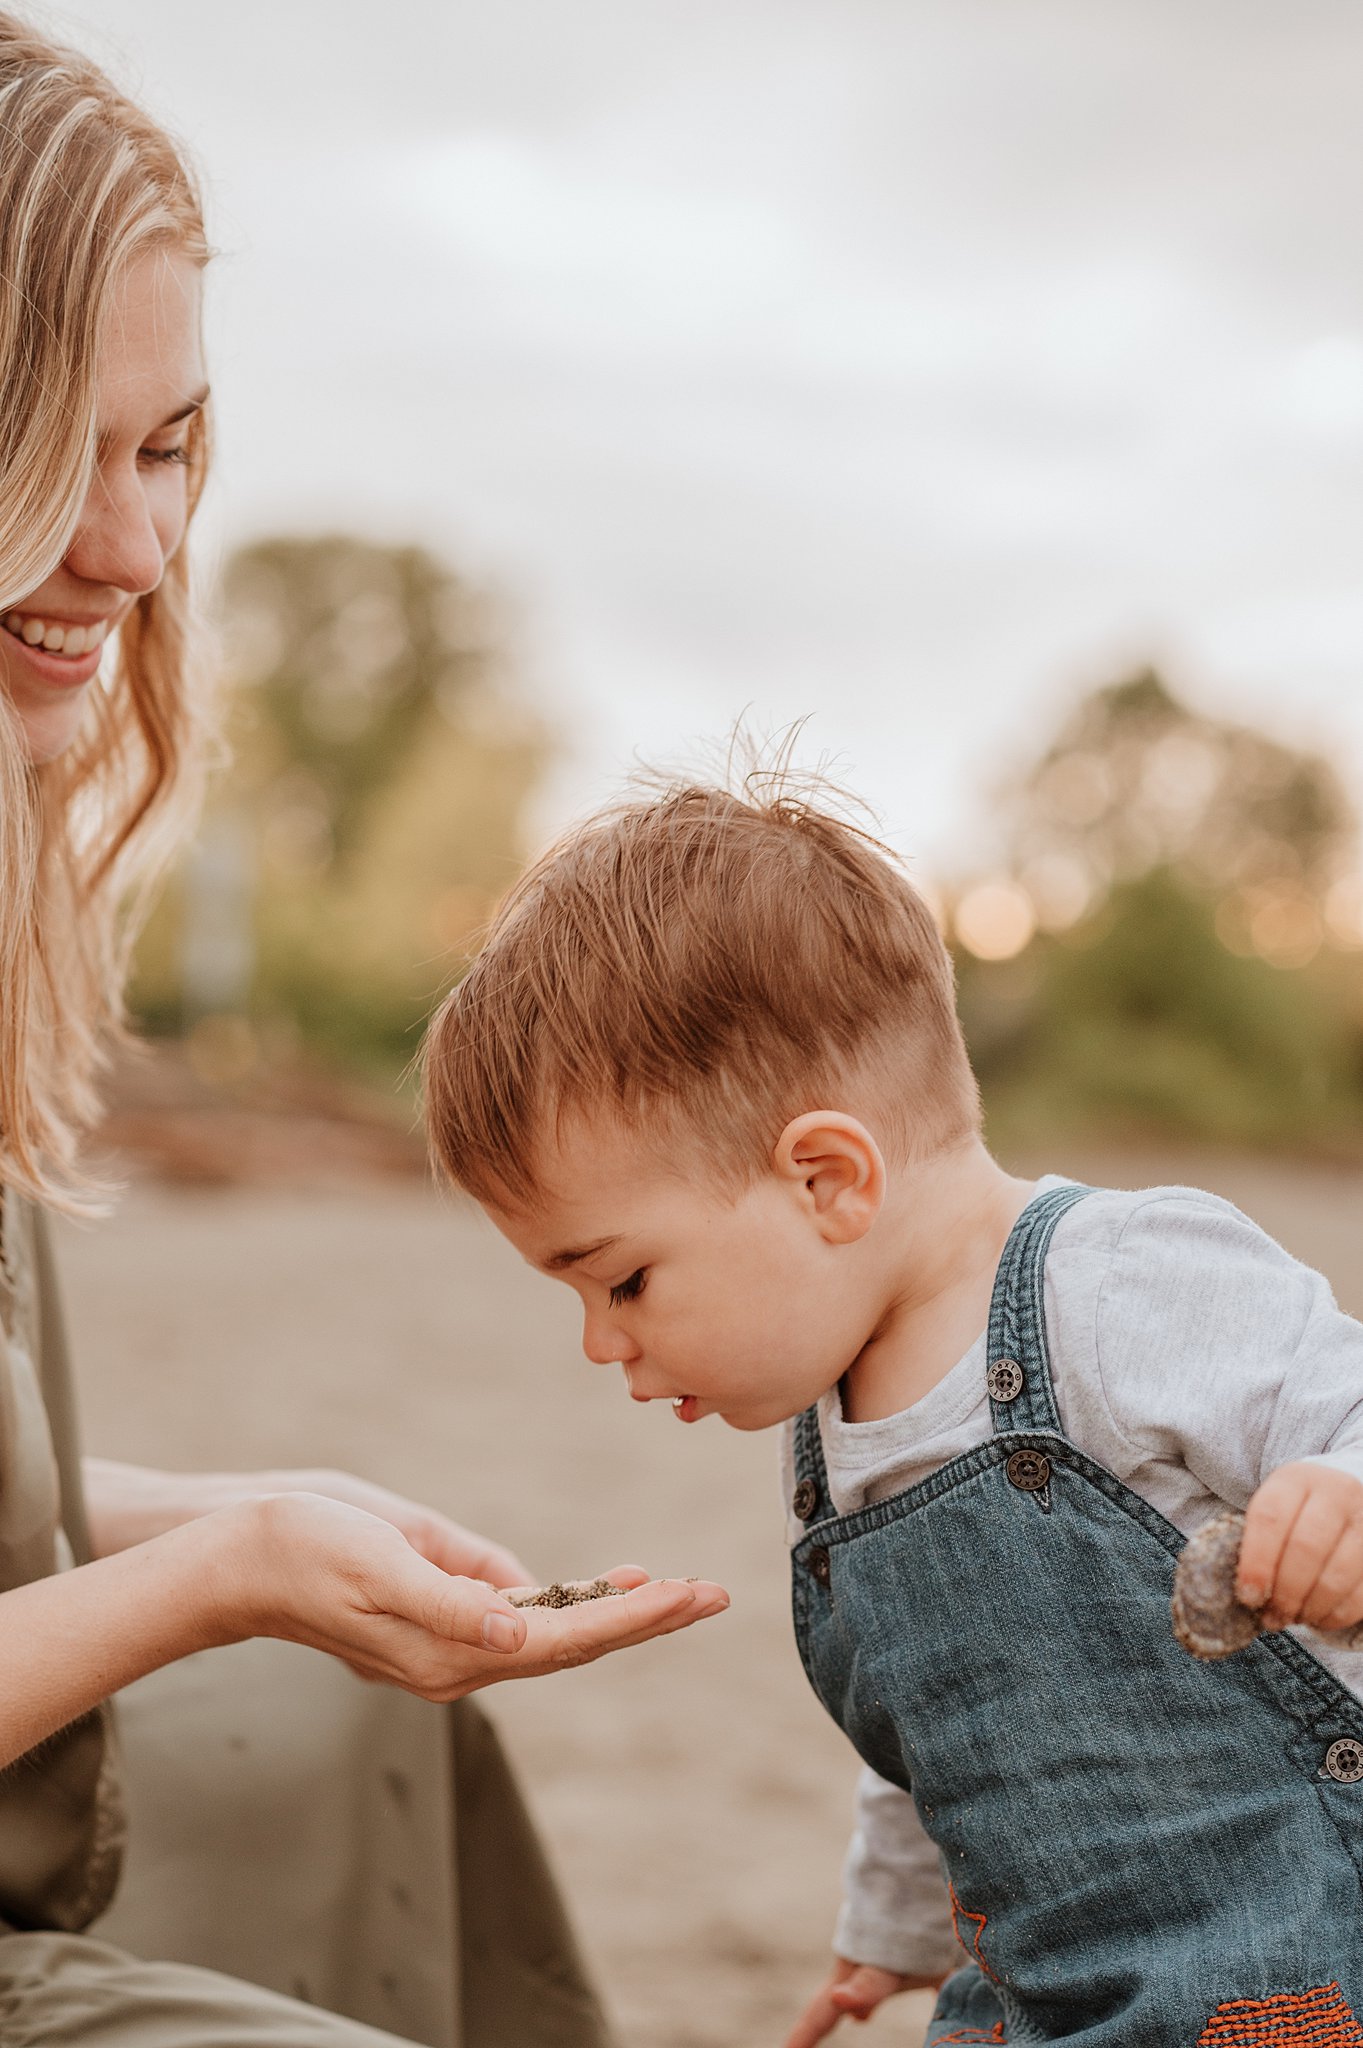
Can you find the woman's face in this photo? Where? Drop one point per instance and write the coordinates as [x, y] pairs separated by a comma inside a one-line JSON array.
[[151, 383]]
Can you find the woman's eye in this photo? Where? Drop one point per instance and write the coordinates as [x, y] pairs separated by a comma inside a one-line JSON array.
[[628, 1290], [180, 454]]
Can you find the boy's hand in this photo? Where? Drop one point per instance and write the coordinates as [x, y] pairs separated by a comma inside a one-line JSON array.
[[1301, 1558], [853, 1991]]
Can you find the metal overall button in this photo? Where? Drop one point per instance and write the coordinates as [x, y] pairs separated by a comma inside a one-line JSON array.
[[1344, 1761], [819, 1564], [805, 1500], [1004, 1379], [1029, 1471]]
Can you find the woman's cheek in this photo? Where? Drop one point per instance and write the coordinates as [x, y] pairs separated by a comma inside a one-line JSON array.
[[169, 510]]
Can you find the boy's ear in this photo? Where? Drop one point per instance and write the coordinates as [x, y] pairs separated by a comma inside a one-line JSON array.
[[835, 1166]]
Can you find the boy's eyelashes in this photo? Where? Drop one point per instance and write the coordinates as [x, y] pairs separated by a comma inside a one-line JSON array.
[[628, 1290]]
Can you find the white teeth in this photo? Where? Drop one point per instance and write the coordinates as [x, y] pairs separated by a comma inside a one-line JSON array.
[[71, 641]]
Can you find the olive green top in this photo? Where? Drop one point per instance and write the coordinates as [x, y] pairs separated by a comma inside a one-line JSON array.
[[61, 1816]]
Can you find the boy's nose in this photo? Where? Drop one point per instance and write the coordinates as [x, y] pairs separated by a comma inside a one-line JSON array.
[[606, 1344]]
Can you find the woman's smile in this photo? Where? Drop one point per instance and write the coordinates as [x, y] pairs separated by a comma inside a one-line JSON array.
[[64, 653]]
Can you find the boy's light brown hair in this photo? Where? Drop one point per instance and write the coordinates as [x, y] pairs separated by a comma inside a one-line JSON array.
[[700, 963]]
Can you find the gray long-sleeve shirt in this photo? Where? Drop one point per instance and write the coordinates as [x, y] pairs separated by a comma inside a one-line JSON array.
[[1191, 1355]]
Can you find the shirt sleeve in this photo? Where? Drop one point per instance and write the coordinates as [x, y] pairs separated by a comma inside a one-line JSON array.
[[1216, 1348], [895, 1911]]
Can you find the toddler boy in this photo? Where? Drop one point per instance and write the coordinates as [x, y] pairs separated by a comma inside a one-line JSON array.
[[707, 1070]]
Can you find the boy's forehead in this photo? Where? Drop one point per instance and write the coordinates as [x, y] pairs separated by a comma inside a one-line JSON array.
[[591, 1187], [585, 1161]]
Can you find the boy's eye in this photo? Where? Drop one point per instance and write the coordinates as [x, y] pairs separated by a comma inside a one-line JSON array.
[[628, 1290]]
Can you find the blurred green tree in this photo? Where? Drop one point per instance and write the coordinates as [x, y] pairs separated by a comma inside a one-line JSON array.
[[1195, 970], [348, 646], [373, 809], [1137, 780]]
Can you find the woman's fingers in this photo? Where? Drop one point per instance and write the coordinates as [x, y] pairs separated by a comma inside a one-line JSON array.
[[462, 1552], [328, 1574], [566, 1636], [527, 1641], [452, 1607], [499, 1567]]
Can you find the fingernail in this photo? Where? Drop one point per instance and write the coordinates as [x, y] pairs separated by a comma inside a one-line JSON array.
[[1250, 1595], [501, 1632]]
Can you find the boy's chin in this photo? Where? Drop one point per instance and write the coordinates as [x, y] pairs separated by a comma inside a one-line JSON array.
[[750, 1420], [749, 1416]]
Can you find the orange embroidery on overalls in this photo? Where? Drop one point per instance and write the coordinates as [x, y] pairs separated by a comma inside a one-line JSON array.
[[979, 1921], [993, 2039], [1289, 2019]]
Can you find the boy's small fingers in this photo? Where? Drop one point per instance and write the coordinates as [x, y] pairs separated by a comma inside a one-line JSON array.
[[856, 2000], [816, 2022], [1319, 1525], [866, 1988], [1268, 1525], [1336, 1598]]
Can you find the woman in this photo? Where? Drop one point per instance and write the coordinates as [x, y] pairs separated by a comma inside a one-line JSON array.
[[103, 447]]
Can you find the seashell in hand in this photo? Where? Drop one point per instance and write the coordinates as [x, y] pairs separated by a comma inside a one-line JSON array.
[[1208, 1619]]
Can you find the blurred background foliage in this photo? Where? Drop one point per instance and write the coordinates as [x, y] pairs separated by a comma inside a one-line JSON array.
[[371, 815], [1171, 945]]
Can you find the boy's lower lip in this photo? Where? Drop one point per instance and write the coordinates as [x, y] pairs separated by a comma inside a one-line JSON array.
[[57, 670], [686, 1408]]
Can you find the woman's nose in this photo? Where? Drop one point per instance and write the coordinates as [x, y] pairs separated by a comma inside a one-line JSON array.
[[116, 541]]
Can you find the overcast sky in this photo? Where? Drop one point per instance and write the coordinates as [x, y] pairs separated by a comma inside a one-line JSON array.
[[908, 363]]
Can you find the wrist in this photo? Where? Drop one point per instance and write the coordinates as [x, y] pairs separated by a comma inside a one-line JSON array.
[[234, 1548], [131, 1504]]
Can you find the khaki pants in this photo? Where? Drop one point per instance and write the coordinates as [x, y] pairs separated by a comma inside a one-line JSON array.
[[353, 1849]]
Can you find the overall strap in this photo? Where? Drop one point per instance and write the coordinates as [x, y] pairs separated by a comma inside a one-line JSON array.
[[1019, 1374], [812, 1501]]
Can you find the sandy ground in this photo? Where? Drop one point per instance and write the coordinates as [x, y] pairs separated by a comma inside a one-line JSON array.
[[695, 1797]]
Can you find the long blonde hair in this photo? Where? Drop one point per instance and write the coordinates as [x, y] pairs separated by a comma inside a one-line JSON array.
[[88, 182]]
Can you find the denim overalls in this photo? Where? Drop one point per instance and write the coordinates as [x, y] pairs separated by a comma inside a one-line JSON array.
[[1143, 1851]]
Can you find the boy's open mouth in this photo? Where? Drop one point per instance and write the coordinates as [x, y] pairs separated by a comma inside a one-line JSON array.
[[686, 1407]]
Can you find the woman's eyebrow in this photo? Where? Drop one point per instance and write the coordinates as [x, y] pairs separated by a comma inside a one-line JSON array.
[[191, 405]]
